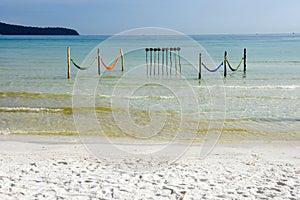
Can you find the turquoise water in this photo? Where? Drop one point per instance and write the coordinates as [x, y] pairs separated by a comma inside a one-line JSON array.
[[36, 97]]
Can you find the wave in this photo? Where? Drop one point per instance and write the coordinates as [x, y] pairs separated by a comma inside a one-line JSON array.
[[35, 110], [40, 95], [138, 97], [7, 131], [33, 95], [151, 97], [67, 110], [276, 62], [289, 87], [264, 119], [184, 133]]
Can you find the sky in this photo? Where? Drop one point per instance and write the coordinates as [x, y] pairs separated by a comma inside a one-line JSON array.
[[95, 17]]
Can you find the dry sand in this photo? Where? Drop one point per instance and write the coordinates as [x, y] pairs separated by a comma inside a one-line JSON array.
[[44, 167]]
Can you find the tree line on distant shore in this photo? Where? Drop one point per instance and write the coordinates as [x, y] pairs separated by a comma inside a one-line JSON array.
[[10, 29]]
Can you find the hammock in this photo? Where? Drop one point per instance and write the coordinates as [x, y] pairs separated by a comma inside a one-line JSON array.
[[113, 66], [212, 70], [83, 68], [235, 69]]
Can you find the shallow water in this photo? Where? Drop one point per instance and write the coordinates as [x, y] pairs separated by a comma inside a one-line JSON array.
[[36, 97]]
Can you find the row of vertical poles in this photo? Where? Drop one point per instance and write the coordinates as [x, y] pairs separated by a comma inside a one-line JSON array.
[[98, 58], [166, 60], [224, 63]]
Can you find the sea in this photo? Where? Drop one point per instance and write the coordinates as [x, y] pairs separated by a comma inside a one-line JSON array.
[[37, 98]]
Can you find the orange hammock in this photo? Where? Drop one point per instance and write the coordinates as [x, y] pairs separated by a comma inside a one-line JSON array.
[[113, 66]]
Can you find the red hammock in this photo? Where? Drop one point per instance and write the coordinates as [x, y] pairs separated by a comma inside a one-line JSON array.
[[113, 66]]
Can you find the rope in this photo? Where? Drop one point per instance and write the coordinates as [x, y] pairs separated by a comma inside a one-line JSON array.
[[212, 70], [113, 66], [235, 69], [83, 68]]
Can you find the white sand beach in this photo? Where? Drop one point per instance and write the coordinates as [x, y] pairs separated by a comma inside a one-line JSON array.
[[53, 167]]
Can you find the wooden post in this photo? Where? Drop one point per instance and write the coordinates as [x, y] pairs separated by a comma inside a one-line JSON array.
[[158, 52], [147, 59], [167, 61], [98, 56], [178, 49], [245, 60], [200, 64], [163, 61], [225, 60], [154, 60], [69, 62], [151, 60], [171, 49], [175, 60], [123, 61]]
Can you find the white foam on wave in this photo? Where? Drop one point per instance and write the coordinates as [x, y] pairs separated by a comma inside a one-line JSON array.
[[289, 87], [139, 97], [5, 131], [29, 109]]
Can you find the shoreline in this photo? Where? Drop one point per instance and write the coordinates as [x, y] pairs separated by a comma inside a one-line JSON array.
[[31, 143]]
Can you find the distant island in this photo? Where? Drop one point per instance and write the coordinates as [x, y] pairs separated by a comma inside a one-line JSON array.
[[10, 29]]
